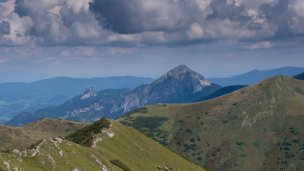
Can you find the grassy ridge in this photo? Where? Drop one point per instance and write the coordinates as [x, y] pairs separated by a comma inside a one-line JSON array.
[[128, 148], [22, 137], [256, 128]]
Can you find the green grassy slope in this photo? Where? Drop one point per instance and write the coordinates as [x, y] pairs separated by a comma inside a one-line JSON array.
[[256, 128], [119, 143], [22, 137]]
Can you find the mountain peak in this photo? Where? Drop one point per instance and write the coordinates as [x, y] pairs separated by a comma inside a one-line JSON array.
[[185, 74], [181, 72], [181, 69], [182, 79]]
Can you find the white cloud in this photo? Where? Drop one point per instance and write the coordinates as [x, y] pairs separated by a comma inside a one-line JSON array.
[[124, 38], [18, 26], [56, 11], [82, 30], [78, 6], [195, 31], [299, 7], [261, 45], [203, 4], [6, 8]]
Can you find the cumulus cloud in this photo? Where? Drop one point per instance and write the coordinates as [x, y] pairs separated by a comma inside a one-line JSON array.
[[195, 31], [6, 8], [261, 45], [299, 7], [98, 22], [14, 29], [60, 21]]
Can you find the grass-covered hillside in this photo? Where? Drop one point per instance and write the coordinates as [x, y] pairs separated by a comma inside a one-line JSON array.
[[259, 127], [22, 137], [115, 147]]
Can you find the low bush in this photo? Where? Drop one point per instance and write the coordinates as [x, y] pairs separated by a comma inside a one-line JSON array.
[[34, 146], [85, 136], [139, 110], [120, 165]]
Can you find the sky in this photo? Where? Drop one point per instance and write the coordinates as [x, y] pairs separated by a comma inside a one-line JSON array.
[[99, 38]]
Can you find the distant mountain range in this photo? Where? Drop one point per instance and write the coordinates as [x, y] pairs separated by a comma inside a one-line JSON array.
[[180, 85], [16, 98], [259, 127], [256, 76], [255, 127], [21, 97]]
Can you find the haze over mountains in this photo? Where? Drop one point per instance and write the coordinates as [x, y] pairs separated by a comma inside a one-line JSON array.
[[27, 97], [180, 85], [239, 127], [256, 76], [16, 98]]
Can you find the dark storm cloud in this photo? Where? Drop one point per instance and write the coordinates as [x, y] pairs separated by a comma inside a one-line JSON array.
[[119, 15], [21, 8], [221, 9], [4, 28], [279, 16], [135, 16]]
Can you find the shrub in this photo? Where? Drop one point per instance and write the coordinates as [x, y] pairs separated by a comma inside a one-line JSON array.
[[225, 121], [188, 130], [4, 151], [139, 110], [149, 122], [240, 143], [295, 140], [120, 165], [67, 130], [85, 136], [298, 90], [256, 143], [34, 146], [180, 121]]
